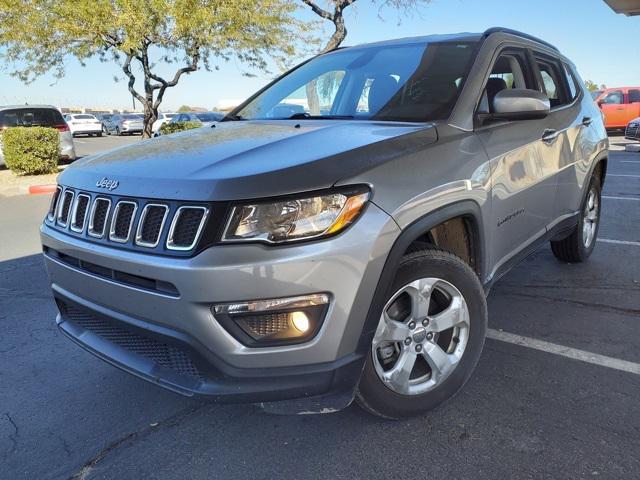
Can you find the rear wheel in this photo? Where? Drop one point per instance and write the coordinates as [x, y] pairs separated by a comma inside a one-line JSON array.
[[429, 337], [578, 246]]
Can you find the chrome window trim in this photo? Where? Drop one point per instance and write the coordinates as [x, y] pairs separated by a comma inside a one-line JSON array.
[[138, 240], [74, 213], [61, 205], [53, 207], [90, 231], [114, 218], [174, 221]]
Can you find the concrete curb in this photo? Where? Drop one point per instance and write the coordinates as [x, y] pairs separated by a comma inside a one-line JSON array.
[[42, 189]]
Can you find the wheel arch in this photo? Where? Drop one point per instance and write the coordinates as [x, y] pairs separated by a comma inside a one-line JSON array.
[[467, 209]]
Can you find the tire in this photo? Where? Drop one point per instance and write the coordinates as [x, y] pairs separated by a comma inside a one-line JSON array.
[[579, 245], [99, 134], [437, 269]]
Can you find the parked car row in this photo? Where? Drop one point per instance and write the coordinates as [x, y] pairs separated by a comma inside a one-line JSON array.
[[205, 119], [38, 116]]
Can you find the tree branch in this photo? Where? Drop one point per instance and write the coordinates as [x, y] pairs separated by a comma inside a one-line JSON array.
[[126, 68], [319, 11]]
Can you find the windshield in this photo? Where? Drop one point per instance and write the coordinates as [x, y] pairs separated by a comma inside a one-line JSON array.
[[415, 82], [132, 116]]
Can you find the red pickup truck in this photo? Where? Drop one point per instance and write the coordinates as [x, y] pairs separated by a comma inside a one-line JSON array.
[[619, 106]]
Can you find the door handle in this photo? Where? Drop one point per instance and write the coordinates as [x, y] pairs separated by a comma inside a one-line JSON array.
[[586, 121], [549, 135]]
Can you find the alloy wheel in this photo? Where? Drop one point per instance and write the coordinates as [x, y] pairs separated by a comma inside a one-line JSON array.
[[590, 218], [421, 337]]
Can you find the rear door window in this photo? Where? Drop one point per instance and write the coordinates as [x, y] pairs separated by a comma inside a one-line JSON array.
[[571, 81], [634, 95], [552, 78]]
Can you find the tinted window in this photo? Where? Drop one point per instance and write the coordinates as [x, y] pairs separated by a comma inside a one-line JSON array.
[[571, 81], [131, 116], [613, 98], [416, 82], [30, 117], [552, 84], [634, 96], [84, 117]]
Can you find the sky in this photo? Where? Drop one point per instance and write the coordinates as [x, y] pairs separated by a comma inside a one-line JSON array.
[[604, 46]]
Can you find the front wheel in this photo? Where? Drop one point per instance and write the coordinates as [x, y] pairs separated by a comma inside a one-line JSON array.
[[578, 246], [429, 337]]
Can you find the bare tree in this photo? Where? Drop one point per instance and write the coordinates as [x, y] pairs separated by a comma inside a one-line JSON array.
[[334, 13]]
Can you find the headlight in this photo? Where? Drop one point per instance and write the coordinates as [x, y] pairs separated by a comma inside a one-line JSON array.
[[294, 219]]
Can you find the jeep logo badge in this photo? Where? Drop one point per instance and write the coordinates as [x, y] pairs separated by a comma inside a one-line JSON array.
[[104, 182]]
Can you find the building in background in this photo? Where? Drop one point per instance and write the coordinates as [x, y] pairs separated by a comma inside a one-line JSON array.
[[628, 7]]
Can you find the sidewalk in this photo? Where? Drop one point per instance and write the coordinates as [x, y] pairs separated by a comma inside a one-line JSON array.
[[11, 184]]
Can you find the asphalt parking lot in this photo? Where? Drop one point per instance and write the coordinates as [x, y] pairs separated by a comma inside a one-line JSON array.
[[90, 145], [555, 394]]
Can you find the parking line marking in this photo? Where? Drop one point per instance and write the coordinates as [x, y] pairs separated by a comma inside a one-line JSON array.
[[629, 161], [619, 242], [573, 353], [620, 198], [618, 175]]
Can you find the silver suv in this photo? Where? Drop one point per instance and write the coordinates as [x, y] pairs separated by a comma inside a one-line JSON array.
[[304, 259]]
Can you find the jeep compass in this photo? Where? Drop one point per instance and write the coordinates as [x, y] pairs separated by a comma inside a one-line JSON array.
[[334, 237]]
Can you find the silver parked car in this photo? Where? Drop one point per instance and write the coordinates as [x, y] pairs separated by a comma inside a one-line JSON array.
[[125, 124], [340, 252], [38, 116]]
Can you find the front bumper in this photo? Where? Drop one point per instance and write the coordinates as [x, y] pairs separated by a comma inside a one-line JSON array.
[[105, 316]]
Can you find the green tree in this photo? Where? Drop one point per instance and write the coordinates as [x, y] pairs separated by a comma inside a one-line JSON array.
[[593, 86], [38, 36], [334, 13], [184, 108]]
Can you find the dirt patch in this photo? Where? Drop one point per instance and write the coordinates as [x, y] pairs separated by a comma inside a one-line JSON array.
[[12, 184]]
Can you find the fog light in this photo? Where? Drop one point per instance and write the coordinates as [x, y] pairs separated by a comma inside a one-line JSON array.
[[280, 321], [300, 321]]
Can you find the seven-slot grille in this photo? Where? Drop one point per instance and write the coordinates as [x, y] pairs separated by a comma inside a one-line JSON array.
[[117, 220]]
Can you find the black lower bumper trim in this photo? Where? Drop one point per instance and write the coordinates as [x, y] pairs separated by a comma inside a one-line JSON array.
[[172, 360]]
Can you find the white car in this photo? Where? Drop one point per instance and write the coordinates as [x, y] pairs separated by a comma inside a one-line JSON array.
[[162, 119], [38, 116], [84, 124]]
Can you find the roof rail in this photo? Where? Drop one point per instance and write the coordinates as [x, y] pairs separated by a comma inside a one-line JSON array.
[[518, 34]]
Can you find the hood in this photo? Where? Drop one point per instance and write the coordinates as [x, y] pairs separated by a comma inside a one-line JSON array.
[[248, 159]]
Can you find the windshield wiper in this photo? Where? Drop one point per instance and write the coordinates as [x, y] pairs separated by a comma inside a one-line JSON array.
[[308, 116], [232, 118]]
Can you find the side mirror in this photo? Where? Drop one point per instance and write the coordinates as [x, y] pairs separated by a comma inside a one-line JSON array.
[[520, 104]]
